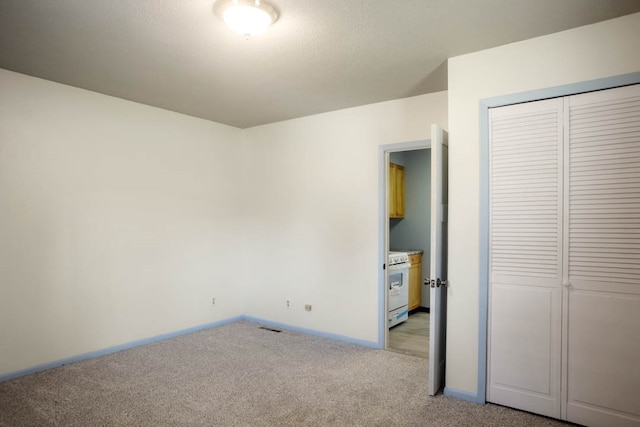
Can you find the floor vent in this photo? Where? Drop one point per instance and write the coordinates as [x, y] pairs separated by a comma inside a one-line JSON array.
[[270, 329]]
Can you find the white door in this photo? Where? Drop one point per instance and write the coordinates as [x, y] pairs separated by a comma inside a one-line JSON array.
[[438, 274], [564, 286], [525, 260], [602, 279]]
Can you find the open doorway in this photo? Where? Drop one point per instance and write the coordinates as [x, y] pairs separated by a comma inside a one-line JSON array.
[[409, 187], [395, 260]]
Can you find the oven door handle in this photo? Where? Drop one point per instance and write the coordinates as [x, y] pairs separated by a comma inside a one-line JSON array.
[[397, 267]]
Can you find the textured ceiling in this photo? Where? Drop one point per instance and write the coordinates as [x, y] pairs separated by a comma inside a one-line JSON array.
[[321, 55]]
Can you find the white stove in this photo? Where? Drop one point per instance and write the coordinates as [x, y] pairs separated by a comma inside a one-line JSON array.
[[398, 258], [398, 289]]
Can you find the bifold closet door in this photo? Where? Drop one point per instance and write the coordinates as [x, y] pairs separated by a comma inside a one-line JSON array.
[[602, 308], [564, 288], [525, 286]]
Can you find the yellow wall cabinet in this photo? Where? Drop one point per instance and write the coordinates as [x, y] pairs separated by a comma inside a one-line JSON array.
[[415, 281], [396, 191]]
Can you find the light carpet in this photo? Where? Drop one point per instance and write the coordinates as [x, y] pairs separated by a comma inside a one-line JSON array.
[[241, 375]]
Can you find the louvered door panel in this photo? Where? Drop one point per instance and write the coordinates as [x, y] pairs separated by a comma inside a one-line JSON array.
[[604, 203], [525, 191], [525, 256], [603, 316]]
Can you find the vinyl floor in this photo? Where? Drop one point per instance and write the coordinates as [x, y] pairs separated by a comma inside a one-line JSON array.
[[411, 337]]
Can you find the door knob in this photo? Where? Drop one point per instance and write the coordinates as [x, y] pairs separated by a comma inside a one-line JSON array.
[[436, 283]]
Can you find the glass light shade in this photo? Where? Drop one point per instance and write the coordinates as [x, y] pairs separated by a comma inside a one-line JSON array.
[[247, 17], [246, 20]]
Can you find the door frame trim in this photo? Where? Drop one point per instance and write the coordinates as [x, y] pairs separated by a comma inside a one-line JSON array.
[[499, 101], [383, 227]]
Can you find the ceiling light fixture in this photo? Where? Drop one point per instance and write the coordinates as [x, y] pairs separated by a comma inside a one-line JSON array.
[[247, 17]]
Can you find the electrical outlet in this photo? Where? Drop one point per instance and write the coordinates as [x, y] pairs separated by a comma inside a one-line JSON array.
[[288, 304], [213, 301], [307, 307]]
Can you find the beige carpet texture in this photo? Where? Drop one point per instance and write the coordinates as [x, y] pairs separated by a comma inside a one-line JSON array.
[[242, 375]]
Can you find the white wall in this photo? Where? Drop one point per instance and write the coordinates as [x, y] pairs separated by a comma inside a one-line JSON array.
[[312, 212], [118, 221], [601, 50]]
